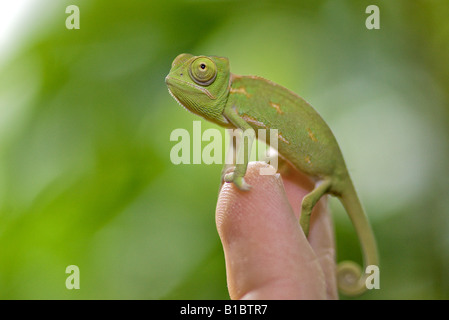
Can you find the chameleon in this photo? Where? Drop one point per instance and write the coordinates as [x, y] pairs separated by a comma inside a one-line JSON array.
[[205, 86]]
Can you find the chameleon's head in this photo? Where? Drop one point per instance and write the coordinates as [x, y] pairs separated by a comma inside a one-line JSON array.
[[200, 84]]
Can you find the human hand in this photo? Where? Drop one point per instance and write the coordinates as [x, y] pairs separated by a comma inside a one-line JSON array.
[[267, 254]]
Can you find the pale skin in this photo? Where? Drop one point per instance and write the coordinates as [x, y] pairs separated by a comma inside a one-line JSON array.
[[205, 86], [278, 262]]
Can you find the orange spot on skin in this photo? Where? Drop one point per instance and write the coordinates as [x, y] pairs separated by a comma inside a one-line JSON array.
[[277, 107], [311, 136], [250, 119], [241, 90]]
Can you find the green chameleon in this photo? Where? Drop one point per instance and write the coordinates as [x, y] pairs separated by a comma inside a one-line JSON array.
[[205, 86]]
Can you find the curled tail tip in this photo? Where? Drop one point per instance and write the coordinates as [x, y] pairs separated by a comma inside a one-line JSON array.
[[350, 280]]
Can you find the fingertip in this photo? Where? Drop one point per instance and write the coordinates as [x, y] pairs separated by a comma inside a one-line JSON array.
[[262, 241], [234, 204]]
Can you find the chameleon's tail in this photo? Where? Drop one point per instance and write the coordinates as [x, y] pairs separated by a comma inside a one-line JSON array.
[[351, 279]]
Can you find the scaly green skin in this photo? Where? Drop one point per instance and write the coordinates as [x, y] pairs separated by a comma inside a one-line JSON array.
[[205, 86]]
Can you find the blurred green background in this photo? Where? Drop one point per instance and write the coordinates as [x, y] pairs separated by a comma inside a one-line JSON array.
[[85, 121]]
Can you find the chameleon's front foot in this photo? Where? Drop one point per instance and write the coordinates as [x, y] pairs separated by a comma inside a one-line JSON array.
[[238, 181]]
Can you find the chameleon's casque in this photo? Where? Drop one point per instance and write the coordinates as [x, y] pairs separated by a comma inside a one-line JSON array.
[[205, 86]]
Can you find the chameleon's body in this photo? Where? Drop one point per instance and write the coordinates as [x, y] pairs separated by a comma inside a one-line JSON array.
[[205, 86], [311, 147]]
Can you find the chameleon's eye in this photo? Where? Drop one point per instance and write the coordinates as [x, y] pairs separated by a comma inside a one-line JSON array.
[[203, 71]]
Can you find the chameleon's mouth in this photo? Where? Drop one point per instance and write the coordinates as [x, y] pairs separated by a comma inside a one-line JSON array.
[[175, 86], [168, 80], [170, 86], [171, 82]]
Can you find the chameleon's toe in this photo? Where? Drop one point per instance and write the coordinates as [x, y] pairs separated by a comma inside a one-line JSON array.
[[239, 182], [229, 177]]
